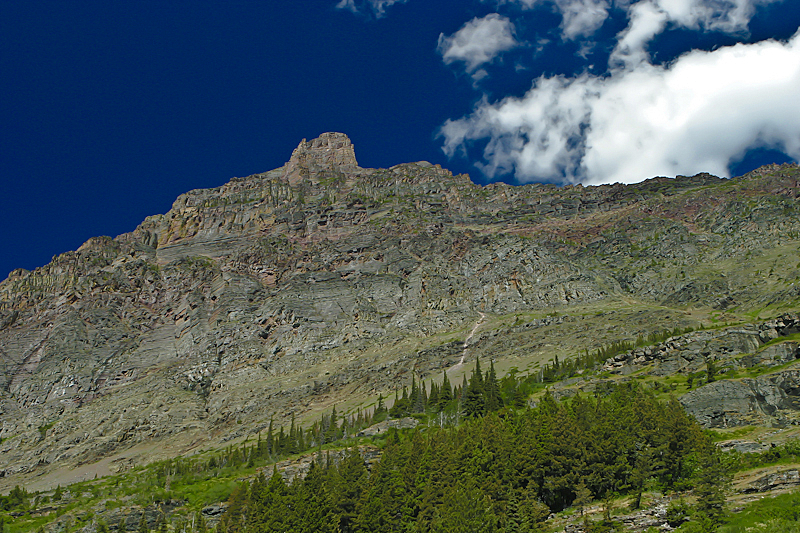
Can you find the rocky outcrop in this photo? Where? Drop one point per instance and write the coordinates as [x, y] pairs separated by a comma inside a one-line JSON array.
[[771, 400], [386, 425], [691, 352], [781, 480], [298, 468], [742, 446]]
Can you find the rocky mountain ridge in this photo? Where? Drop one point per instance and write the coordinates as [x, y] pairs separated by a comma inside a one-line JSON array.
[[321, 282]]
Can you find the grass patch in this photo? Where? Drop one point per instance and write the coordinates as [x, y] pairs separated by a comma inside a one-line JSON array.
[[780, 514], [719, 435]]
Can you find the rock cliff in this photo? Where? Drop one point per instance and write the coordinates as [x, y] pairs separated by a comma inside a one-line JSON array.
[[771, 400], [321, 282]]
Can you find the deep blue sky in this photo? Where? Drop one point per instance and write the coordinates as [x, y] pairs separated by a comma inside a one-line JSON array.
[[110, 110]]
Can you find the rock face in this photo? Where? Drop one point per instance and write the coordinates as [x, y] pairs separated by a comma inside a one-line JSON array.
[[383, 427], [785, 479], [298, 468], [772, 400], [691, 352], [322, 282], [742, 446]]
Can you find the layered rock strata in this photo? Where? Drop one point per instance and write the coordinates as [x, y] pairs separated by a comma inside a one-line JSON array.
[[321, 282]]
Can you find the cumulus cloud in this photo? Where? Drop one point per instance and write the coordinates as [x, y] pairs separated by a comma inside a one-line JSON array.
[[648, 18], [375, 7], [478, 42], [729, 16], [697, 114], [581, 18]]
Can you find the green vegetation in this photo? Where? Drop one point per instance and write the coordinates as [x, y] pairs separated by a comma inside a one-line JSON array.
[[787, 453], [43, 429], [480, 461], [505, 471], [780, 514], [557, 371], [502, 469]]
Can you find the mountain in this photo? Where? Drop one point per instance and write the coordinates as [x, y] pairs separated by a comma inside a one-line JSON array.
[[321, 283]]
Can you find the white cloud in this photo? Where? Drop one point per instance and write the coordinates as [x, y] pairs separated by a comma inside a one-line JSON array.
[[376, 7], [729, 16], [478, 42], [582, 18], [646, 21], [697, 114], [648, 18]]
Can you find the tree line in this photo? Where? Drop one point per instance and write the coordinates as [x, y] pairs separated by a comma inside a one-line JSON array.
[[503, 471]]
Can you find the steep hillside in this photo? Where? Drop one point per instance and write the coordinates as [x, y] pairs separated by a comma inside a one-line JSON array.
[[322, 283]]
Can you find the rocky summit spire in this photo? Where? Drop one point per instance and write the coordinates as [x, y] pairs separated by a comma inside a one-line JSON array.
[[329, 152]]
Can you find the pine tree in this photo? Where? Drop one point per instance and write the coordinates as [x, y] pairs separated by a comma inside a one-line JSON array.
[[292, 447], [413, 398], [710, 491], [583, 496], [270, 438], [379, 415], [492, 397], [280, 444], [333, 426], [433, 397], [417, 400], [473, 402], [711, 371], [445, 392], [401, 407]]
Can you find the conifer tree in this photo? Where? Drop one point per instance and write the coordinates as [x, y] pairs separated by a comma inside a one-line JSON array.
[[473, 402], [711, 371], [417, 404], [333, 426], [270, 438], [433, 397], [492, 398], [710, 491], [445, 392], [292, 447], [414, 396], [379, 414], [280, 445], [401, 406], [583, 496]]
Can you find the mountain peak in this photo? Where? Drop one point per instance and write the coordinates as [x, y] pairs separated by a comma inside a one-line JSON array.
[[329, 151]]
